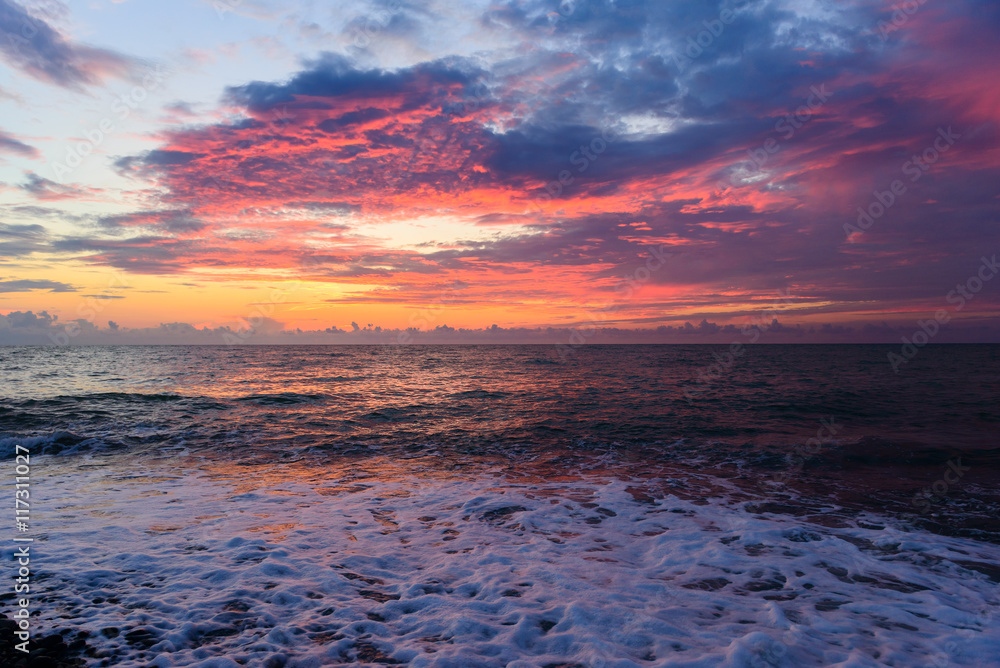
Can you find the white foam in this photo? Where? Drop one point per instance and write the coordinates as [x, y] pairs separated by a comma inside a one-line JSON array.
[[311, 566]]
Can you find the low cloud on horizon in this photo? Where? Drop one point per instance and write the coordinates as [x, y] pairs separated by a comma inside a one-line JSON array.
[[28, 328]]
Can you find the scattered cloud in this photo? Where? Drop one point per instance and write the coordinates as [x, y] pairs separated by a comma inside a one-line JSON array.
[[44, 189], [31, 45], [28, 285], [11, 144]]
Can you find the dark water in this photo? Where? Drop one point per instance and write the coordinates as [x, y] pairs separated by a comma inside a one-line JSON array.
[[454, 396], [654, 404]]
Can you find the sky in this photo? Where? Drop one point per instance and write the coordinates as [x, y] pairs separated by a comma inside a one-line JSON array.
[[638, 170]]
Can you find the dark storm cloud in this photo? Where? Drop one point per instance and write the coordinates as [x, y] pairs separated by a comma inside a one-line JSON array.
[[335, 77]]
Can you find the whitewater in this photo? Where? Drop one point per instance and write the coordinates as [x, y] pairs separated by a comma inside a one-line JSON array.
[[179, 561]]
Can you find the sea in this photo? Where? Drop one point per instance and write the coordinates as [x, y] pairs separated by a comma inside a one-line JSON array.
[[503, 506]]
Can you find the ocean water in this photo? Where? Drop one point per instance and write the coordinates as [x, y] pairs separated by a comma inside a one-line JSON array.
[[506, 506]]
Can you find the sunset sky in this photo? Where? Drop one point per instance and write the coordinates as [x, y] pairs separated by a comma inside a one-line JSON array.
[[527, 164]]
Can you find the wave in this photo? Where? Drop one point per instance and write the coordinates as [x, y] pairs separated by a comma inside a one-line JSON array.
[[123, 396], [283, 398], [59, 442], [479, 394]]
